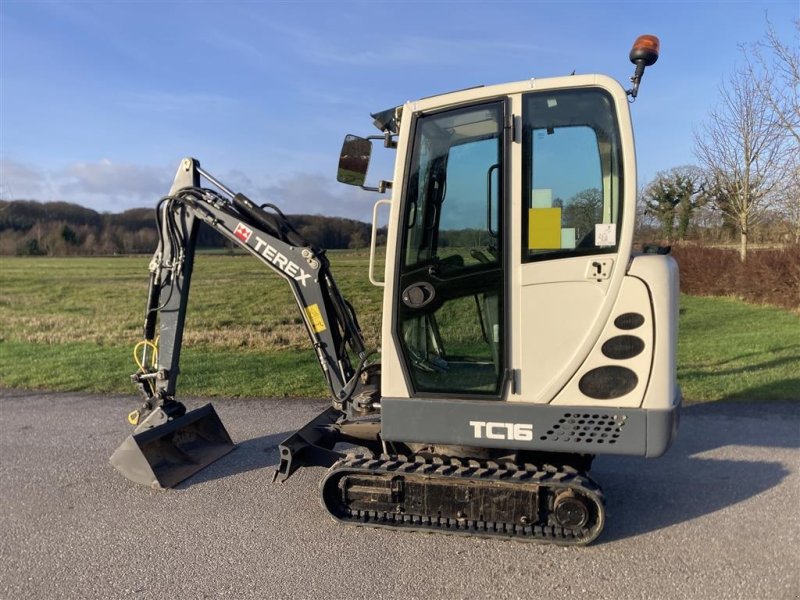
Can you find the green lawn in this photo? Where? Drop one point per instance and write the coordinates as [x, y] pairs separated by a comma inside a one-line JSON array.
[[71, 324], [731, 350]]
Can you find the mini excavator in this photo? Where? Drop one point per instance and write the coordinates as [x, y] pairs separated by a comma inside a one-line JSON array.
[[521, 334]]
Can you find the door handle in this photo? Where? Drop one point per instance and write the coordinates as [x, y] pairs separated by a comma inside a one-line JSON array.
[[599, 268]]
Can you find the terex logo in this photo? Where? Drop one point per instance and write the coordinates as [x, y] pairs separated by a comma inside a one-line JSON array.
[[521, 432], [280, 261]]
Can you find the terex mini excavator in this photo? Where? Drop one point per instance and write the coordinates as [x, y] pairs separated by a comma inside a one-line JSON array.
[[521, 334]]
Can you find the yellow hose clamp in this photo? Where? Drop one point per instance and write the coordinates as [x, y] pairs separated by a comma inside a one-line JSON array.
[[133, 417]]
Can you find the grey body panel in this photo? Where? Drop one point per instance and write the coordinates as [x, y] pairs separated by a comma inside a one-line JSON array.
[[576, 429]]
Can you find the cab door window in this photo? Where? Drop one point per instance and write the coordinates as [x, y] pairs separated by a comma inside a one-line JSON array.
[[573, 179]]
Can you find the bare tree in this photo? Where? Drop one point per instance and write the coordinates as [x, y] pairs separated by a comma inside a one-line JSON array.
[[775, 67], [743, 152], [789, 200]]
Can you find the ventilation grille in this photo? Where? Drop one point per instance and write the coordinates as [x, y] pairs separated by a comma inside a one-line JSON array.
[[588, 428]]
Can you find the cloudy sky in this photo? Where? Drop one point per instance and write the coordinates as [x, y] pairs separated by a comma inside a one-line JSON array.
[[101, 100]]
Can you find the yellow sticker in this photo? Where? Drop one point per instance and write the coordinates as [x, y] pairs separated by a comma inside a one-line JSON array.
[[544, 228], [315, 318]]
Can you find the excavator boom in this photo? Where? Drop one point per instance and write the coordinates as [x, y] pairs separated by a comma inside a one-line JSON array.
[[163, 456]]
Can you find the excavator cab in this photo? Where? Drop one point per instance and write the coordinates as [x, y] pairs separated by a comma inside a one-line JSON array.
[[513, 298], [519, 325]]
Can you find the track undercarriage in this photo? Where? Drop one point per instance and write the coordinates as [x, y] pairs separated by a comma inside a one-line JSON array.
[[526, 496], [465, 497]]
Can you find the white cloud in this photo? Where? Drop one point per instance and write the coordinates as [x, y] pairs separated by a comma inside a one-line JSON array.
[[313, 193], [413, 50], [104, 185], [372, 48], [108, 186], [21, 181], [252, 55], [156, 101], [121, 183], [238, 181]]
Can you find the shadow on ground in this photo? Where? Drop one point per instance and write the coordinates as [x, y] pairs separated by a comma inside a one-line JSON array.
[[249, 455], [645, 495]]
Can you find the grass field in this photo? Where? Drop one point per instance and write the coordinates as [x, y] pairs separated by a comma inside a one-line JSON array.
[[731, 350], [71, 324]]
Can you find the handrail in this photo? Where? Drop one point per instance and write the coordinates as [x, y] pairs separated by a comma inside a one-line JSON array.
[[373, 242]]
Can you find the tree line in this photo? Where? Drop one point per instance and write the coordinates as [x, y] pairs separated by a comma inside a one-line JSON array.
[[30, 228]]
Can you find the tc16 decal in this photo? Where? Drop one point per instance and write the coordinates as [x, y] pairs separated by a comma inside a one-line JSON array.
[[521, 432]]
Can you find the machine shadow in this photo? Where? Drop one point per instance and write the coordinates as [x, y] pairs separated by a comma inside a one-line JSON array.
[[637, 504], [249, 455], [645, 495]]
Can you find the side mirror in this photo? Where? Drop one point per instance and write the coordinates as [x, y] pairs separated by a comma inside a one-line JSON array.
[[354, 160]]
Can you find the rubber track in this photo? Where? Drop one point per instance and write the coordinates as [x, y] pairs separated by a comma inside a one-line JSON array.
[[548, 477]]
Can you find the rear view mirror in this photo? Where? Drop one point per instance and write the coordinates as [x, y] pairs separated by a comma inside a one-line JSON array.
[[354, 160]]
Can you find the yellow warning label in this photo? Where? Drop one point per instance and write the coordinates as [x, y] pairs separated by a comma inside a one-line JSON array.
[[315, 318]]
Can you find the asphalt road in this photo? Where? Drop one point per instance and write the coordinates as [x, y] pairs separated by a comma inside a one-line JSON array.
[[717, 517]]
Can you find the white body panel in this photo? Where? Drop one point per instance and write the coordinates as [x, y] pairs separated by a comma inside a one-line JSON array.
[[660, 273]]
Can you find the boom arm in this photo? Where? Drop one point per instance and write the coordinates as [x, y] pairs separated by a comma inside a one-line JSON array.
[[329, 319]]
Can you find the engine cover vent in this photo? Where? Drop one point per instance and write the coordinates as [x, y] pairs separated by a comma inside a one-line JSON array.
[[630, 320], [588, 428]]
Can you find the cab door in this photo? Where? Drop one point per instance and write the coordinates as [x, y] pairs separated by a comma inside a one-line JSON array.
[[575, 231], [450, 322]]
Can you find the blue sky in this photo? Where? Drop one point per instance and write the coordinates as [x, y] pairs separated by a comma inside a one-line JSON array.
[[101, 100]]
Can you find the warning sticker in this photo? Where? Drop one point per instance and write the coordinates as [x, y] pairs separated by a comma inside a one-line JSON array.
[[605, 234], [315, 318]]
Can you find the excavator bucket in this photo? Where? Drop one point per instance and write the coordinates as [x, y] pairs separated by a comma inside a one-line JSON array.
[[163, 455]]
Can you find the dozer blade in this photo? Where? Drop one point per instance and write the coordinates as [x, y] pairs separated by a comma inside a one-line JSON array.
[[164, 455]]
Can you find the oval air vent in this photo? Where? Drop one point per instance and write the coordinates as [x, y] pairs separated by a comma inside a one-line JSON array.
[[605, 383], [622, 347], [629, 321]]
